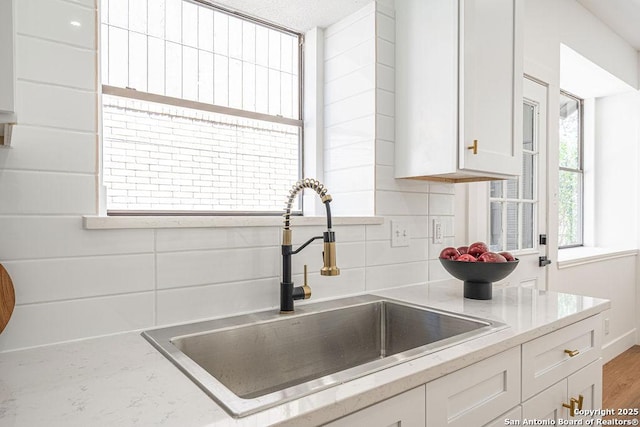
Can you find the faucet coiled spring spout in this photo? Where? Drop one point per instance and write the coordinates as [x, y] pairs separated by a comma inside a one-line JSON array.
[[289, 293], [316, 186]]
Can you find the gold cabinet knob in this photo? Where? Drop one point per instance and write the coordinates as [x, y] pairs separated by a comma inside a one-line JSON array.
[[474, 147], [572, 353]]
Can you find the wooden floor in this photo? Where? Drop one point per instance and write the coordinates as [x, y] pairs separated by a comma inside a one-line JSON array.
[[621, 382]]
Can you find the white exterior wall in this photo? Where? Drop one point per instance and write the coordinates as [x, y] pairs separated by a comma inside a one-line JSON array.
[[171, 158]]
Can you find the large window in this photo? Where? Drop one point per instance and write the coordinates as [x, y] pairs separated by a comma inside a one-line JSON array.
[[570, 188], [201, 108]]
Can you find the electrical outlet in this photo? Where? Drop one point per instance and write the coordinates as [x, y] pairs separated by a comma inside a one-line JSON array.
[[438, 234], [606, 326], [399, 234]]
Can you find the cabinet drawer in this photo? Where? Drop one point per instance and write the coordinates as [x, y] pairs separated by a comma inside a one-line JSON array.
[[475, 394], [406, 409], [546, 360]]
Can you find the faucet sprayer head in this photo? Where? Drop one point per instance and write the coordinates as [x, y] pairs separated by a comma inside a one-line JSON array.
[[329, 255]]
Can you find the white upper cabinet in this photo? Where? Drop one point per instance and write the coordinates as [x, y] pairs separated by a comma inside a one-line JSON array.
[[458, 86], [7, 70]]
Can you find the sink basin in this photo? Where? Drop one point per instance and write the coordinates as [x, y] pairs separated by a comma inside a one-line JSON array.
[[251, 362]]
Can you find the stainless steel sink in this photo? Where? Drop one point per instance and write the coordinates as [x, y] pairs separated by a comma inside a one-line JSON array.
[[252, 362]]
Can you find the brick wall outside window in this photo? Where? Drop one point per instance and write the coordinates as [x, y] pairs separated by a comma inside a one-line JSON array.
[[161, 157]]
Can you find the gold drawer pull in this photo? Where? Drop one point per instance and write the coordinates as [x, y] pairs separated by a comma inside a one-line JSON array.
[[572, 353], [474, 147]]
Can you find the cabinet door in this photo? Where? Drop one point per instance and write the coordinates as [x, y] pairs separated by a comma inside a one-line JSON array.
[[475, 395], [406, 410], [513, 417], [491, 86], [587, 382], [547, 405]]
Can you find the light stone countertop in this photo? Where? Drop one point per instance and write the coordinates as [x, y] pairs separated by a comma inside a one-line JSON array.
[[121, 380]]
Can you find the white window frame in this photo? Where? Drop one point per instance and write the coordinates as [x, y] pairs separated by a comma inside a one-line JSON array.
[[185, 103], [579, 171]]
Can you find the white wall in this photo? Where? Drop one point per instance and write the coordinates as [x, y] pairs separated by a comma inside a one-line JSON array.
[[546, 26], [74, 283], [617, 136]]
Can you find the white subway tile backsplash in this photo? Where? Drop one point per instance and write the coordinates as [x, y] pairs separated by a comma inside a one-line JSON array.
[[385, 153], [441, 204], [51, 62], [442, 188], [67, 278], [349, 282], [344, 233], [385, 102], [354, 179], [354, 59], [385, 128], [361, 80], [418, 228], [37, 324], [385, 77], [348, 156], [33, 237], [29, 192], [346, 23], [55, 106], [386, 180], [338, 42], [357, 203], [358, 130], [385, 52], [437, 271], [355, 107], [219, 300], [40, 148], [386, 27], [394, 275], [401, 203], [51, 19], [171, 240], [178, 269], [380, 252], [348, 255]]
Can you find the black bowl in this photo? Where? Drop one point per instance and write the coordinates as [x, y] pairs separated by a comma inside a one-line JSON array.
[[478, 276]]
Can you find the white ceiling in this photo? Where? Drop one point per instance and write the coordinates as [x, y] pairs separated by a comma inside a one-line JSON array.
[[298, 15], [623, 16]]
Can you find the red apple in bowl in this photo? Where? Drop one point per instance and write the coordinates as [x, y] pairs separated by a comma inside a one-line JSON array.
[[478, 248], [507, 256], [463, 250], [449, 253], [491, 257], [466, 258]]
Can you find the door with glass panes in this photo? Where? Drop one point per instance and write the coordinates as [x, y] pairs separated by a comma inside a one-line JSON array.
[[517, 207]]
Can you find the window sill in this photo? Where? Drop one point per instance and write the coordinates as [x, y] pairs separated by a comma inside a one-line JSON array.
[[153, 222], [572, 257]]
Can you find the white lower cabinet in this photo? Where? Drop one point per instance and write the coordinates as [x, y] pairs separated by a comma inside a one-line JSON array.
[[510, 418], [584, 387], [406, 410], [474, 395], [535, 381]]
